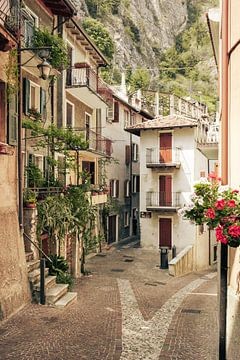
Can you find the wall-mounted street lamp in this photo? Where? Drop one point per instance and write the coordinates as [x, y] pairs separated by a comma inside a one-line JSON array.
[[44, 69]]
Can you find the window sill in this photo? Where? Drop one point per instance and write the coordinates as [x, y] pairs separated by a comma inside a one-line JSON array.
[[6, 149]]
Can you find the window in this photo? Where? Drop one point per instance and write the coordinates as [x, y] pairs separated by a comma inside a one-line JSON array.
[[134, 152], [127, 188], [110, 112], [89, 167], [69, 115], [135, 183], [34, 96], [114, 188], [127, 155], [38, 161], [126, 117], [30, 23], [87, 125], [126, 219], [116, 111], [133, 119]]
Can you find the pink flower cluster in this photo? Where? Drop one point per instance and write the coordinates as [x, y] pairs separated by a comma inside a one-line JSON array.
[[234, 231], [220, 236], [220, 204], [210, 214]]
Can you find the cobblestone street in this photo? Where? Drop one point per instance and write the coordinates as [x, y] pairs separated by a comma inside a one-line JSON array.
[[127, 309]]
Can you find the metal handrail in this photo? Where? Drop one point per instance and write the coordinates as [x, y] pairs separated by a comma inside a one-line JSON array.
[[39, 249]]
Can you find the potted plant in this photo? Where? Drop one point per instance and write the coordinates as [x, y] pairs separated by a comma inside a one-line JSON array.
[[29, 199]]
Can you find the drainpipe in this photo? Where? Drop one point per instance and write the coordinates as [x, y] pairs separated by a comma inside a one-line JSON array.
[[19, 136], [224, 160]]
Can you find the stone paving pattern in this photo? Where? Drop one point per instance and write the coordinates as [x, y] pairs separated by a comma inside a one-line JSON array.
[[157, 314]]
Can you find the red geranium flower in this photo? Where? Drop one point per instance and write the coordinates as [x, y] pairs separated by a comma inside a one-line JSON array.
[[220, 204], [220, 236], [235, 191], [234, 231], [212, 175], [210, 214], [231, 203]]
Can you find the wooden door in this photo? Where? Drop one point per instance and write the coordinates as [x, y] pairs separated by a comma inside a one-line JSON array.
[[166, 148], [112, 228], [165, 233], [165, 190]]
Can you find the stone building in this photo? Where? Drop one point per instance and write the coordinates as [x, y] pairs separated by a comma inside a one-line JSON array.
[[173, 155]]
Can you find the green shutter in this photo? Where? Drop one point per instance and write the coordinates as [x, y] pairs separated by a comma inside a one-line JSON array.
[[12, 121], [43, 103], [26, 95]]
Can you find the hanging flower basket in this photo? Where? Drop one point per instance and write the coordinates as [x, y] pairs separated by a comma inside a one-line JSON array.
[[218, 207]]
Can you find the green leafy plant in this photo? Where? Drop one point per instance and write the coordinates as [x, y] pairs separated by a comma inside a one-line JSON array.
[[58, 54], [29, 197], [11, 70], [59, 267], [34, 176], [100, 35]]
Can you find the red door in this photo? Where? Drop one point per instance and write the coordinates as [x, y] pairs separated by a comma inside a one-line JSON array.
[[165, 190], [166, 148], [165, 232]]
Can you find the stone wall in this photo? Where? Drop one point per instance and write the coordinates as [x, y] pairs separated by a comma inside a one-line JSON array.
[[14, 287]]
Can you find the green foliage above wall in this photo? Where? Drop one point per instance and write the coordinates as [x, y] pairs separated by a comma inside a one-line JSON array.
[[100, 35]]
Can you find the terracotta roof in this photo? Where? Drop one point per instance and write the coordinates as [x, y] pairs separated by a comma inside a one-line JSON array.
[[163, 122]]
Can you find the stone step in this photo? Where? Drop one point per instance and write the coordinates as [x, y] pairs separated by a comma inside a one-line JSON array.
[[50, 281], [66, 300], [34, 276], [33, 265], [55, 293], [29, 256]]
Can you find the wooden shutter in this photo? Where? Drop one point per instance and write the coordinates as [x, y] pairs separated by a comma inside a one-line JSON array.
[[137, 183], [116, 111], [117, 188], [110, 112], [165, 190], [43, 103], [165, 232], [137, 152], [26, 95], [111, 187], [166, 148], [12, 121], [127, 154]]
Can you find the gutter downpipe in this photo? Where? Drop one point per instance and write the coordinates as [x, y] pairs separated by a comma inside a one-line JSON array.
[[224, 174], [19, 135]]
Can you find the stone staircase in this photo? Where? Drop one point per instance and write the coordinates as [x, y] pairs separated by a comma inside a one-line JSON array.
[[56, 294]]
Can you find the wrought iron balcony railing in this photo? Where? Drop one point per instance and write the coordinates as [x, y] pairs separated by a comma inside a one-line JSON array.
[[162, 157], [97, 142], [163, 199], [9, 15]]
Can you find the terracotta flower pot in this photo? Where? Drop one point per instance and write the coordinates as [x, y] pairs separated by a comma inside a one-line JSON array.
[[30, 205]]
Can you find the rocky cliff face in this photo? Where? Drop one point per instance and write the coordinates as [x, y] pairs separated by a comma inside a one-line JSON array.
[[142, 29]]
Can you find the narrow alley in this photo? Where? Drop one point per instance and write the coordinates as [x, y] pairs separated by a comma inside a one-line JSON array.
[[127, 308]]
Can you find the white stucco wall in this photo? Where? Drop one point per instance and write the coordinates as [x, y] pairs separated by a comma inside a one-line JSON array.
[[192, 162]]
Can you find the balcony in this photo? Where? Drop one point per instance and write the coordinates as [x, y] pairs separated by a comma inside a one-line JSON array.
[[208, 140], [96, 142], [86, 84], [9, 23], [163, 202], [164, 158]]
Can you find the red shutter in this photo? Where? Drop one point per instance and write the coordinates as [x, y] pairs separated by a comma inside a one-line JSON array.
[[138, 183], [117, 188], [166, 148], [165, 190], [165, 232], [125, 188], [116, 112]]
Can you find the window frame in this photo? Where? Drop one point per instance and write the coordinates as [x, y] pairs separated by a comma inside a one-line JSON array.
[[73, 114], [126, 219]]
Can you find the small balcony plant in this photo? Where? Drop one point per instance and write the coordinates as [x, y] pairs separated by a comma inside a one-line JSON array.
[[218, 207], [29, 199]]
